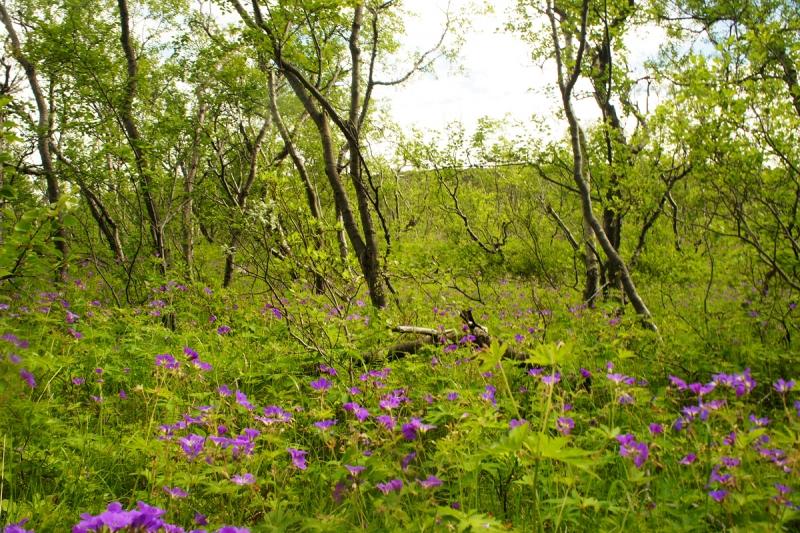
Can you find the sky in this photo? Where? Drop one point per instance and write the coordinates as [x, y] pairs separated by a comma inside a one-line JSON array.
[[499, 75]]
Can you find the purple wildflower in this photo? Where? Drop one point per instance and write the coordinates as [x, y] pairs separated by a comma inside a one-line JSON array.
[[274, 415], [386, 421], [632, 449], [192, 446], [431, 482], [222, 330], [175, 492], [325, 424], [552, 379], [191, 354], [517, 422], [679, 383], [298, 458], [386, 488], [405, 461], [17, 528], [743, 383], [354, 470], [689, 459], [616, 378], [322, 384], [416, 425], [718, 495], [247, 479], [338, 490], [28, 378], [167, 361], [241, 399], [783, 386], [702, 390], [390, 402], [565, 425], [656, 429]]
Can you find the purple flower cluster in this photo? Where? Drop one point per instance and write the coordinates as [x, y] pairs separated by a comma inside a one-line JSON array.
[[632, 449], [393, 400], [361, 413], [389, 486], [167, 361], [412, 428], [18, 527], [741, 383], [145, 518], [13, 339], [274, 415], [489, 395], [241, 399]]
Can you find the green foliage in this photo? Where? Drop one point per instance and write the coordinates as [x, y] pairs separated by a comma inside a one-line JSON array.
[[28, 249], [109, 416]]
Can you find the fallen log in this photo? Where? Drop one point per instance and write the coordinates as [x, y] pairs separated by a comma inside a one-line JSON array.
[[432, 336]]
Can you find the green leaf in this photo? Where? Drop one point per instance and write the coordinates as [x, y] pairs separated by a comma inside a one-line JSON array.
[[7, 191], [554, 353], [491, 357], [70, 221], [23, 226]]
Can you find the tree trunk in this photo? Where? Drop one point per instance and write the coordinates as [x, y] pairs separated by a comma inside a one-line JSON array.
[[241, 200], [341, 236], [592, 264], [136, 143], [340, 195], [566, 85], [187, 227], [370, 258], [311, 193], [43, 127]]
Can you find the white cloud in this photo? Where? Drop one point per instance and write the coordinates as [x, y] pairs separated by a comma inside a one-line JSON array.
[[499, 79]]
